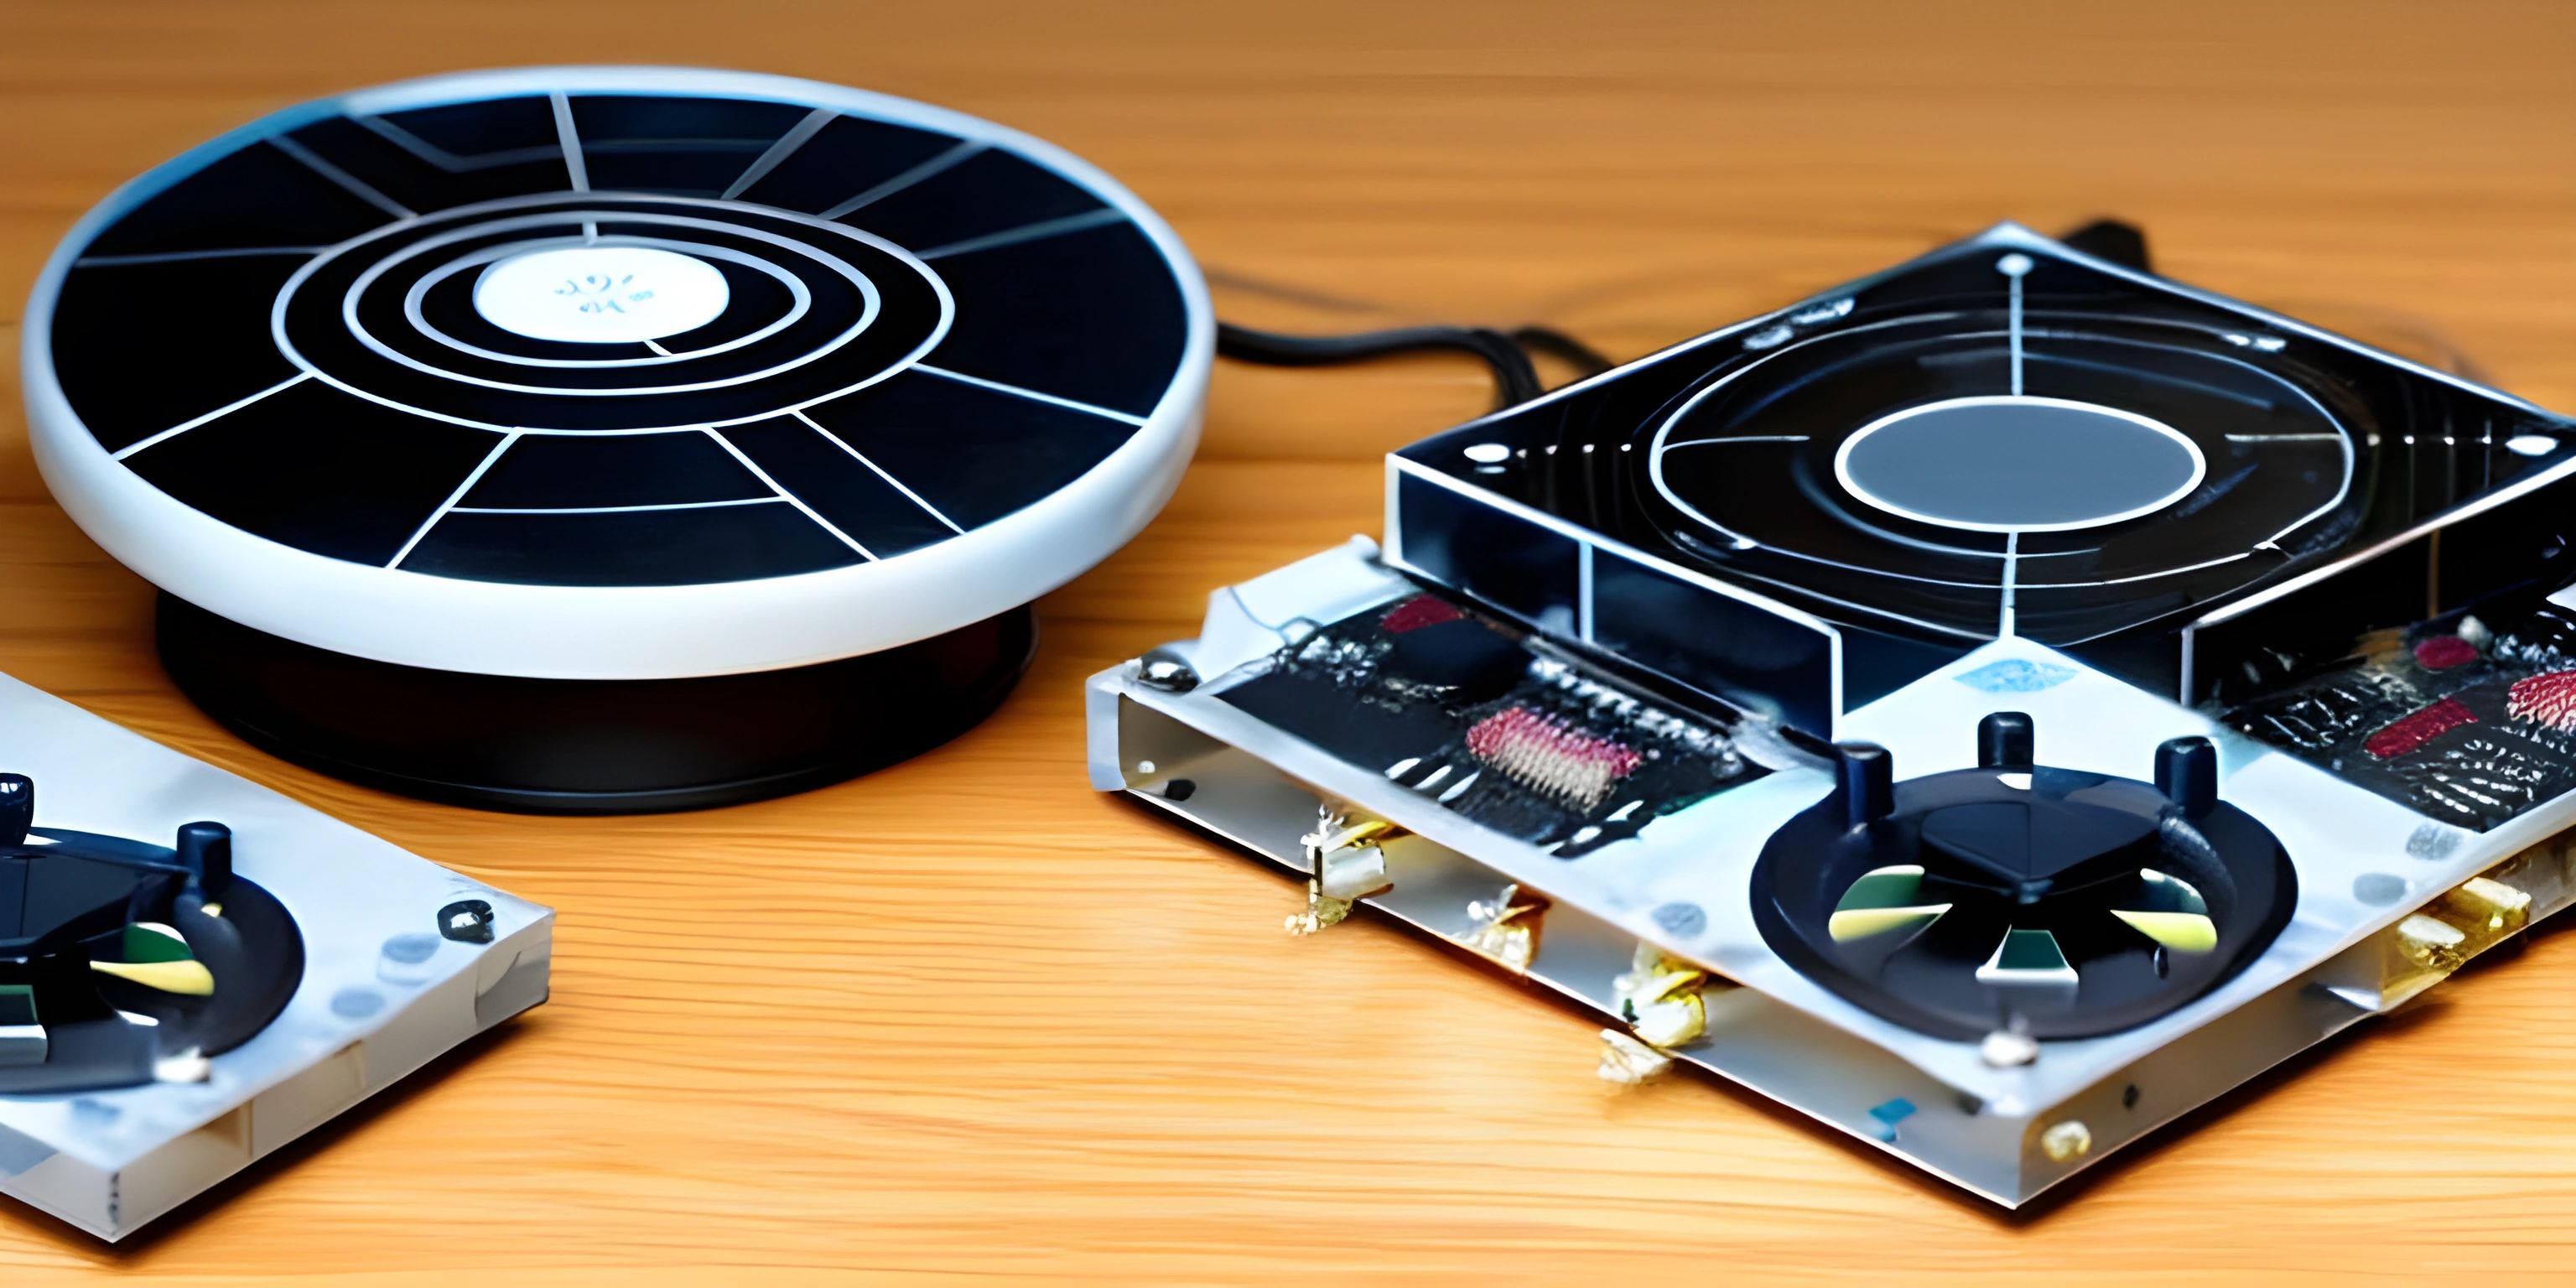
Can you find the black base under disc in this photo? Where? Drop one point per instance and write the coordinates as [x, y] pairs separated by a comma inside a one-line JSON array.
[[591, 746]]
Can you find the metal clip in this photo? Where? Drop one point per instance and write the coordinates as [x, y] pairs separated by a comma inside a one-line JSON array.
[[1660, 998], [1506, 929], [1343, 866]]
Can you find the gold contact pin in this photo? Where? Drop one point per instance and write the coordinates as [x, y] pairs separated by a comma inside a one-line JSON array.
[[2489, 903], [1320, 914], [2431, 942], [1660, 998], [1506, 929], [1673, 1022]]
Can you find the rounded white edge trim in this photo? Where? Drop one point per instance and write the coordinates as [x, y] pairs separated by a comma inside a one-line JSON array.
[[1842, 459], [620, 632]]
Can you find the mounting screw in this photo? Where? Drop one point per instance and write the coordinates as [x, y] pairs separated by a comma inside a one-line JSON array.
[[2066, 1141], [1166, 669], [2005, 1049], [467, 921]]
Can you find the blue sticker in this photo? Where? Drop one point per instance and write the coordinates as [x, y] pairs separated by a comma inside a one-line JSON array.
[[1889, 1114], [1684, 919], [2014, 675]]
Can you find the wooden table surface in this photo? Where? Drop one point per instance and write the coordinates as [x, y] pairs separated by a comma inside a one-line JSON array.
[[967, 1018]]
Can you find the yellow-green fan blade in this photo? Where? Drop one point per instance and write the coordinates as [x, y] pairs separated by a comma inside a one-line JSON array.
[[1883, 900], [2172, 913], [2183, 932], [190, 978], [1862, 923]]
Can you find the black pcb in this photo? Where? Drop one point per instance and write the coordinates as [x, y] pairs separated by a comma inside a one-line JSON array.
[[1455, 708], [2470, 718]]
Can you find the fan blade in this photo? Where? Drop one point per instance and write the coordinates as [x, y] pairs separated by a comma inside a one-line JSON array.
[[2168, 892], [2183, 932], [1862, 923], [2172, 913], [150, 941], [1883, 900], [2028, 957], [188, 978]]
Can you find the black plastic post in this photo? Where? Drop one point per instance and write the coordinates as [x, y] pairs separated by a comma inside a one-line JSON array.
[[1868, 782], [2187, 773], [2006, 738], [17, 808], [206, 851]]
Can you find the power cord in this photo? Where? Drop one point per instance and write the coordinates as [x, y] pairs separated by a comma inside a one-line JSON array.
[[1564, 348], [1508, 354]]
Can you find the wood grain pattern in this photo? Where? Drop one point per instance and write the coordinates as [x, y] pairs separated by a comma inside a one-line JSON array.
[[966, 1018]]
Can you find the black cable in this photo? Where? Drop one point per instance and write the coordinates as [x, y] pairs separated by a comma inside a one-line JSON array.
[[1515, 376], [1564, 348], [1515, 379]]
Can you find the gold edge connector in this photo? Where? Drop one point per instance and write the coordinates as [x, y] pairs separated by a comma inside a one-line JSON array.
[[2458, 924]]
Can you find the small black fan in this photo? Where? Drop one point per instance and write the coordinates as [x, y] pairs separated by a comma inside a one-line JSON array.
[[123, 962], [2020, 898]]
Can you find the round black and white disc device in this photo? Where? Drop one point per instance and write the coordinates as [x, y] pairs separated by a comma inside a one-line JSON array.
[[606, 439]]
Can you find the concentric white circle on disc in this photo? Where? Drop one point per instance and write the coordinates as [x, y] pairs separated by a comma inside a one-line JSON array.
[[616, 373], [601, 294]]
